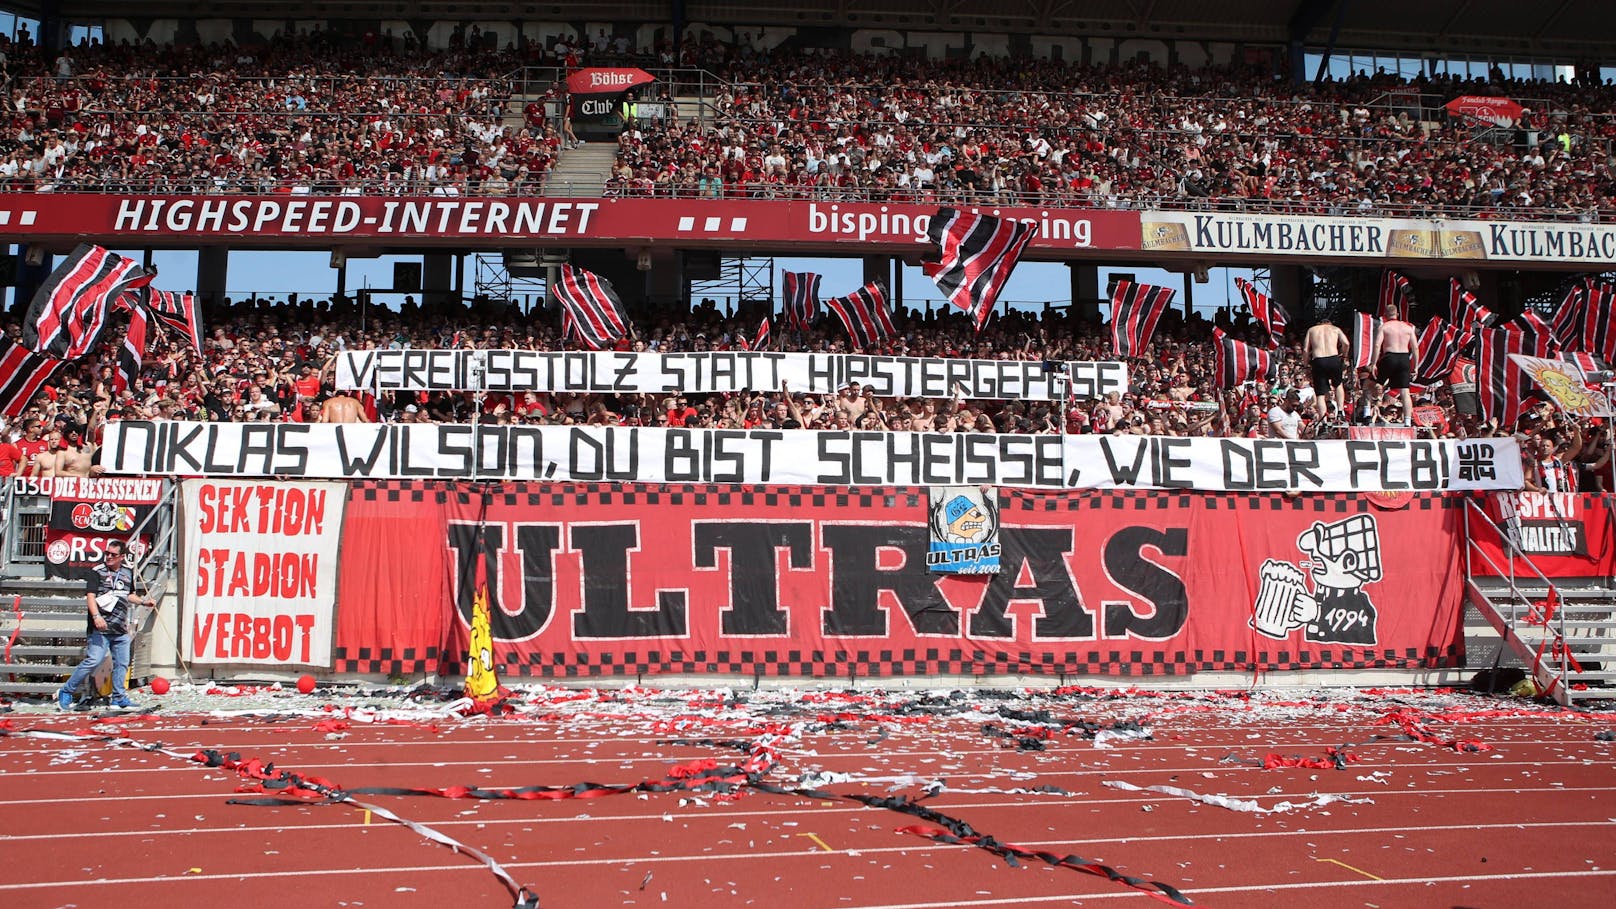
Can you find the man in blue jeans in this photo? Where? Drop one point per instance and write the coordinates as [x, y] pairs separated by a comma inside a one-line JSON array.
[[111, 600]]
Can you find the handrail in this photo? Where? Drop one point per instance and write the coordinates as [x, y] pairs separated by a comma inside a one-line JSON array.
[[1513, 552]]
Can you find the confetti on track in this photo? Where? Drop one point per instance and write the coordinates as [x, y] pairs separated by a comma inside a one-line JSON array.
[[1237, 799]]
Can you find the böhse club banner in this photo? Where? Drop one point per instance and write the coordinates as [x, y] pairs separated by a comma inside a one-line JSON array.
[[611, 579], [260, 567]]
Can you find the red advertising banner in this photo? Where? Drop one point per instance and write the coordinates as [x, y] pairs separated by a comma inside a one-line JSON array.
[[1565, 535], [492, 222], [589, 580]]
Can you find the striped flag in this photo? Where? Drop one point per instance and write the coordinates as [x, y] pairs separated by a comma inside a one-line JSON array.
[[976, 254], [179, 312], [864, 313], [1587, 362], [1570, 316], [1270, 315], [1501, 384], [801, 299], [1135, 310], [69, 313], [1235, 362], [1439, 350], [131, 352], [1397, 292], [761, 341], [1465, 312], [1364, 329], [22, 374], [595, 309], [1599, 323], [1538, 327]]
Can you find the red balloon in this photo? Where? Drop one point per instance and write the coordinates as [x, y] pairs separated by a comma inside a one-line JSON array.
[[305, 684], [159, 685]]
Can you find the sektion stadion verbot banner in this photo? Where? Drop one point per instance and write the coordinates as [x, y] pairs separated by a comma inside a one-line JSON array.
[[260, 567]]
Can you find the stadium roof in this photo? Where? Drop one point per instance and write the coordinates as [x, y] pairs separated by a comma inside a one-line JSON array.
[[1568, 28]]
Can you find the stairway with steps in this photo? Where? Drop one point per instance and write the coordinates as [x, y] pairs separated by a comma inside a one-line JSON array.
[[1582, 627], [49, 636], [581, 172]]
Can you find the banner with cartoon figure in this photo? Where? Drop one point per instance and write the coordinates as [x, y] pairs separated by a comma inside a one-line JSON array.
[[964, 523], [1566, 385], [1340, 559]]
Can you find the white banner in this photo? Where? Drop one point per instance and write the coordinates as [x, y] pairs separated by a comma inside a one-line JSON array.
[[848, 458], [1301, 235], [261, 564], [627, 372]]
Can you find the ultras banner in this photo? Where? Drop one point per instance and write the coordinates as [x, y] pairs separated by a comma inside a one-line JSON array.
[[826, 458], [260, 563], [613, 580], [631, 372], [1565, 535]]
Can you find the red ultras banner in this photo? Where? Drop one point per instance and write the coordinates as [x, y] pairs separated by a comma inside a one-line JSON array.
[[1565, 536], [491, 222], [806, 581]]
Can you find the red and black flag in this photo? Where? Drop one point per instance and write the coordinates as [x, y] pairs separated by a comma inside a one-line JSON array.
[[1236, 361], [1569, 317], [801, 299], [179, 312], [131, 352], [1135, 310], [1439, 350], [1587, 362], [1536, 325], [1502, 385], [1464, 311], [976, 254], [1364, 329], [864, 313], [22, 374], [1397, 292], [69, 313], [1599, 320], [596, 311], [1270, 315], [764, 335]]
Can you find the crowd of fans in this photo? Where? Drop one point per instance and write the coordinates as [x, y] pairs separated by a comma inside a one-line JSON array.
[[334, 113], [304, 114], [1042, 133], [273, 362]]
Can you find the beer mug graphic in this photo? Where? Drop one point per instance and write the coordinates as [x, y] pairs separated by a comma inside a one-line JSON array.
[[1283, 601]]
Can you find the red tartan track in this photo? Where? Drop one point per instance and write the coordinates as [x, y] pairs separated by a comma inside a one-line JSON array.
[[94, 823]]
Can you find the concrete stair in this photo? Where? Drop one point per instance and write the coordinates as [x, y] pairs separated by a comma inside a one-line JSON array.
[[1587, 614], [50, 635], [581, 172]]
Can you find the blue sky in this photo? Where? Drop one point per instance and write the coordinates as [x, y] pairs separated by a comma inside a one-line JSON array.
[[276, 274]]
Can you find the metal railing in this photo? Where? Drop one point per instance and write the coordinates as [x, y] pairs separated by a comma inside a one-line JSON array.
[[1557, 687]]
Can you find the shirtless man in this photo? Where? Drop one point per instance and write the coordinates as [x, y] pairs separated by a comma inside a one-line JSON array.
[[74, 458], [1396, 347], [342, 409], [1327, 347]]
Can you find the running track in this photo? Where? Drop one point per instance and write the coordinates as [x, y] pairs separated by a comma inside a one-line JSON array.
[[91, 822]]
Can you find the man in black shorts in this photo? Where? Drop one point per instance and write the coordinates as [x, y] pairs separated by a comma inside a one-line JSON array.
[[1396, 346], [1326, 349]]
